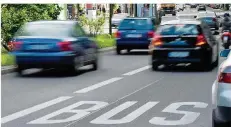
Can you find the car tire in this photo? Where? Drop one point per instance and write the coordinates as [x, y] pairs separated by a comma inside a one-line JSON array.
[[78, 61], [19, 70], [95, 65], [207, 64], [215, 64], [118, 50], [128, 50], [155, 66]]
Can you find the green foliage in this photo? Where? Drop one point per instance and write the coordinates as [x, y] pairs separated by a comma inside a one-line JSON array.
[[7, 59], [115, 7], [13, 16], [94, 26], [105, 40]]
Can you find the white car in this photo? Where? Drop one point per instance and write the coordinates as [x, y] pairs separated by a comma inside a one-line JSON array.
[[221, 93], [117, 18]]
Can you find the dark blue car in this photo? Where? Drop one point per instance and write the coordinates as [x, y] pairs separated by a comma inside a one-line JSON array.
[[53, 44], [134, 33]]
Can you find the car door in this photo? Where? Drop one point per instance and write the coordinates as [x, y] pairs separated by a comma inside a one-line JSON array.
[[212, 41], [83, 41]]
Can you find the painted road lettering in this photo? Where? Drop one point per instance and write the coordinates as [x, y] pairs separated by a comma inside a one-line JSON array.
[[79, 113], [105, 118], [188, 118]]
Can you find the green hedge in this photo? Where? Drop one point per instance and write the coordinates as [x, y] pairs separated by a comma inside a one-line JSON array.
[[105, 40], [7, 59]]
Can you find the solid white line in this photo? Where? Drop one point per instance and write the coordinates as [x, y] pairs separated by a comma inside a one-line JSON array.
[[137, 70], [33, 109], [98, 85]]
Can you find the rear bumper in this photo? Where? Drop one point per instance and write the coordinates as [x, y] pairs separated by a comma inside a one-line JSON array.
[[195, 55], [133, 44], [222, 116], [37, 60]]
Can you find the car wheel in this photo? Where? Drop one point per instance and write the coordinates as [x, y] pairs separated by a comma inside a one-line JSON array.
[[155, 66], [207, 64], [78, 62], [95, 65], [118, 50], [128, 50], [19, 70]]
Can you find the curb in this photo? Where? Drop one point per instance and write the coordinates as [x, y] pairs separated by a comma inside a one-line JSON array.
[[12, 68], [9, 69]]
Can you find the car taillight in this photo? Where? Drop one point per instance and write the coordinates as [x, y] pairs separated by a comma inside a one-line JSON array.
[[226, 34], [200, 40], [14, 45], [65, 46], [214, 19], [117, 34], [151, 34], [224, 77], [156, 41]]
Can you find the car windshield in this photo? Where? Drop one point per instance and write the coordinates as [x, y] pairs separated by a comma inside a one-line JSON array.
[[136, 24], [206, 19], [46, 29], [185, 29]]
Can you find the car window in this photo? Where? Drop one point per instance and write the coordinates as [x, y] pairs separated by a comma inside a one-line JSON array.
[[185, 29], [46, 29], [78, 31], [136, 24]]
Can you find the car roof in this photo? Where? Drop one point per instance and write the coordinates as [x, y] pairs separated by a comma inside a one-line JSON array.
[[179, 21], [53, 22]]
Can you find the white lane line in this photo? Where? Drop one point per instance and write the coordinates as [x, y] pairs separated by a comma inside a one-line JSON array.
[[137, 70], [33, 109], [98, 85]]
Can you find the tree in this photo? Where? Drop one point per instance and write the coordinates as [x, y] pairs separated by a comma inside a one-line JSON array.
[[15, 15]]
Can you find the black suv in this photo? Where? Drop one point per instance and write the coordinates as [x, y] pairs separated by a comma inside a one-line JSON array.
[[184, 41]]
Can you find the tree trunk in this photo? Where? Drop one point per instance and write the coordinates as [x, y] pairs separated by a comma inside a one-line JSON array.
[[110, 18]]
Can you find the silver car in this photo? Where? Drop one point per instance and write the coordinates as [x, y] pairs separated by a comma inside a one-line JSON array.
[[221, 93]]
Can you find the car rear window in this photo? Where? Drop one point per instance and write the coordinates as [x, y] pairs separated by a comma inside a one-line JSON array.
[[46, 29], [135, 24], [185, 29]]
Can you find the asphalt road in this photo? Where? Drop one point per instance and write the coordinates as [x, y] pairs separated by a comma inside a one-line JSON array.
[[124, 92]]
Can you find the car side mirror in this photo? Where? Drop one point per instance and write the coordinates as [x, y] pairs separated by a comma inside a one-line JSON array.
[[224, 53], [195, 16]]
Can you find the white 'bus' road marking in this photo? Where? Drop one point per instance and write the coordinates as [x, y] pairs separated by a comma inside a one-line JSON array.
[[119, 99], [98, 85], [33, 109], [137, 70]]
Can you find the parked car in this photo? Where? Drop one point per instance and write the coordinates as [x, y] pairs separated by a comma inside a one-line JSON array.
[[53, 44], [209, 18], [201, 8], [221, 93], [184, 41], [193, 5], [117, 18], [134, 33]]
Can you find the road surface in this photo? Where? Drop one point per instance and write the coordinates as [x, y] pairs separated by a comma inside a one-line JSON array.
[[124, 92]]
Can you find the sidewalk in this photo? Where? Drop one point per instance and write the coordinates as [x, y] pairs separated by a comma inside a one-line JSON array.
[[7, 69]]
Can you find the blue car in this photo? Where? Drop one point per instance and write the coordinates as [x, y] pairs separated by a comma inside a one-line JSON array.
[[53, 44], [134, 33]]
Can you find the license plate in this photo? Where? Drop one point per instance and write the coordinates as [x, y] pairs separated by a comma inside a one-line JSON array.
[[134, 35], [178, 54], [38, 47]]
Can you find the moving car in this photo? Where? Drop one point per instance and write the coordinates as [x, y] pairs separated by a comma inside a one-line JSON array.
[[53, 44], [134, 33], [201, 8], [117, 18], [210, 19], [193, 5], [168, 9], [221, 93], [184, 41]]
